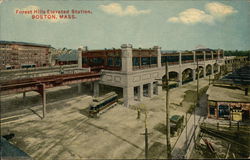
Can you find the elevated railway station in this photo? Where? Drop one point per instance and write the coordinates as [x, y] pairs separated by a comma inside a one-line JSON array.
[[136, 72]]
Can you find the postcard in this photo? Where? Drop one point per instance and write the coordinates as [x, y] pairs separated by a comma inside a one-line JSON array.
[[127, 79]]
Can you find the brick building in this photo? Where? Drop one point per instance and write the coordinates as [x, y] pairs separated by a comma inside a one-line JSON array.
[[15, 55]]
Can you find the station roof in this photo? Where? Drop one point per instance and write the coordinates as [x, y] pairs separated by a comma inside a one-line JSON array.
[[72, 56], [24, 43], [223, 94], [239, 77], [169, 51], [204, 49]]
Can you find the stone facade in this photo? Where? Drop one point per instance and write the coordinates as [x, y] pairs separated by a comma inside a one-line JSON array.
[[145, 83]]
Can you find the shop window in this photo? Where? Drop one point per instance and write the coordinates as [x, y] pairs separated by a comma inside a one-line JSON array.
[[212, 110], [224, 111]]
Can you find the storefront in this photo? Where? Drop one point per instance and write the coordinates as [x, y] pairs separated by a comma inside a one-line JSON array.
[[228, 104], [235, 111]]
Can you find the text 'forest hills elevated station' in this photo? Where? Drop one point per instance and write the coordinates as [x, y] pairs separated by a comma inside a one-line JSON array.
[[138, 72]]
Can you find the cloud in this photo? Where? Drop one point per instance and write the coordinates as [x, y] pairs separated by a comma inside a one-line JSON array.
[[215, 11], [1, 1], [116, 9], [192, 16], [32, 8]]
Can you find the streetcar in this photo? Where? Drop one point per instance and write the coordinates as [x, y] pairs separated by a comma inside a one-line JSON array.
[[102, 104]]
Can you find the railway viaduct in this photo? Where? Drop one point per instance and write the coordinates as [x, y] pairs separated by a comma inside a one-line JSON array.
[[137, 72], [144, 81]]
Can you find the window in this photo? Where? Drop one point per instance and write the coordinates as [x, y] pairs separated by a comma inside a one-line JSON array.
[[98, 61], [186, 58], [208, 56], [173, 58], [84, 60], [163, 59], [145, 60], [136, 61], [110, 61], [199, 56], [224, 111], [212, 110], [117, 61], [153, 60]]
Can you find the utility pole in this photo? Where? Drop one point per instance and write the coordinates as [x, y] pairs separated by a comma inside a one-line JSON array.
[[146, 133], [146, 136], [198, 77], [197, 97], [168, 145], [209, 79]]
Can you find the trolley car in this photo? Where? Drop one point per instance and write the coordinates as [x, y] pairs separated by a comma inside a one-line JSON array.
[[102, 104]]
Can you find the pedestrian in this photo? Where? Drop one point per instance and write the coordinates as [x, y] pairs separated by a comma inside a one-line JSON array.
[[138, 112]]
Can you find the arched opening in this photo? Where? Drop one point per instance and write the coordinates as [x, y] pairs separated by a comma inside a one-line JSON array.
[[187, 75], [208, 69], [173, 80], [216, 68], [173, 76], [201, 71]]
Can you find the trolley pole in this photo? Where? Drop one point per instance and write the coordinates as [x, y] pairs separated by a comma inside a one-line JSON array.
[[168, 145]]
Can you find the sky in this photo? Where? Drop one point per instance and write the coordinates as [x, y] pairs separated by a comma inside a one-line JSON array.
[[170, 24]]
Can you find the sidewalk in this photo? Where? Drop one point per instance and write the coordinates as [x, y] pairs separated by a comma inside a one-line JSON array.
[[185, 143]]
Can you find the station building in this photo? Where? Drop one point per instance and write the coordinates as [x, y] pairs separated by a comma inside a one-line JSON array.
[[15, 55], [138, 72]]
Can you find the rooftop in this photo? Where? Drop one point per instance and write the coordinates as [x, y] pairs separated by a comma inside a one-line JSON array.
[[224, 94], [72, 56], [239, 77], [25, 43], [205, 49]]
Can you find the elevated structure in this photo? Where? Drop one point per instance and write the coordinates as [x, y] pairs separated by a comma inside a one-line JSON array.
[[40, 84], [139, 71], [136, 71]]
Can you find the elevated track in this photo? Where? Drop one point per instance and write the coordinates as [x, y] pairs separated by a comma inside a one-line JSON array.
[[40, 84]]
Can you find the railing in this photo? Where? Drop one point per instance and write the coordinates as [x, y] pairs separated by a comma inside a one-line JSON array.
[[144, 66], [188, 61], [170, 63]]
